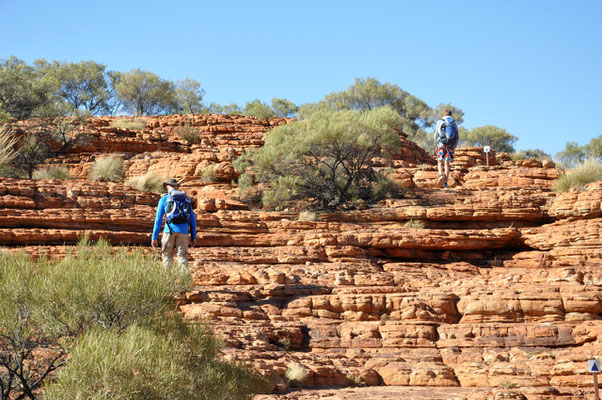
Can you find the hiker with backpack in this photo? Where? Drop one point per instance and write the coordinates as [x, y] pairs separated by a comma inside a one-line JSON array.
[[446, 140], [180, 221]]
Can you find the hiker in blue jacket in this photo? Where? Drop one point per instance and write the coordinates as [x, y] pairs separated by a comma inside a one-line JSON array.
[[180, 221], [446, 139]]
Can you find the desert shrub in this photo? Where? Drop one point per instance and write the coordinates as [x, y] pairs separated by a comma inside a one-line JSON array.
[[61, 173], [109, 168], [144, 363], [384, 188], [148, 182], [47, 303], [208, 174], [188, 133], [295, 373], [131, 124], [7, 152], [307, 215], [327, 157], [584, 172]]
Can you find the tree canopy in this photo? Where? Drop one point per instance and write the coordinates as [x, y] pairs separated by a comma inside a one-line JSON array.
[[489, 135], [327, 157]]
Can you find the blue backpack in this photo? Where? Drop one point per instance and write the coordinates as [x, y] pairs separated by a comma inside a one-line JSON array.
[[449, 132], [178, 208]]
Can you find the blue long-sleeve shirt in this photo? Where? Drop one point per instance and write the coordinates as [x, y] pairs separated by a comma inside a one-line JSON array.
[[182, 228]]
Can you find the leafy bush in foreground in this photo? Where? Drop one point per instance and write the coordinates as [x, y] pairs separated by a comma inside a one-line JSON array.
[[104, 321], [328, 157]]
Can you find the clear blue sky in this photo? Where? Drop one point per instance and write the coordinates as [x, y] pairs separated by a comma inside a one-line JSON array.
[[531, 67]]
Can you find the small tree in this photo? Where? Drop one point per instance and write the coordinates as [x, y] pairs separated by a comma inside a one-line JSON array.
[[489, 135], [189, 97], [327, 157], [231, 109], [83, 86], [284, 108], [144, 93], [572, 155], [31, 152], [24, 93], [259, 109]]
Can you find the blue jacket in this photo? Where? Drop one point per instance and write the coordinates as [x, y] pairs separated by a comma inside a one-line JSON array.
[[182, 228]]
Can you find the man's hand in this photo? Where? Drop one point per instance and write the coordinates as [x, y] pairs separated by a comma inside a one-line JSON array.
[[192, 242], [155, 244]]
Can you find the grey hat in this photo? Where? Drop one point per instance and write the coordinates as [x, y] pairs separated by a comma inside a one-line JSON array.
[[171, 182]]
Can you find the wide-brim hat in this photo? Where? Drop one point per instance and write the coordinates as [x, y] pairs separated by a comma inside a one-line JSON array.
[[171, 182]]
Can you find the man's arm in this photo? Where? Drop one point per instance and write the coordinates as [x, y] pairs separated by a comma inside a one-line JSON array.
[[159, 219], [193, 231]]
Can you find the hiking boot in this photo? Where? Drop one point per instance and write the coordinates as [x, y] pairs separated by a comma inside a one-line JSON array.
[[441, 181]]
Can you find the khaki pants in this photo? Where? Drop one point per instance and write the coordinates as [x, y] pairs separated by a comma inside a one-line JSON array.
[[175, 243]]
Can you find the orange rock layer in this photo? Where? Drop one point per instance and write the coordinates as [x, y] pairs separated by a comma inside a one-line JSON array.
[[491, 289]]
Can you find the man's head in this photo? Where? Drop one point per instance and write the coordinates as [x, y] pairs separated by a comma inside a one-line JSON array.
[[171, 184], [446, 113]]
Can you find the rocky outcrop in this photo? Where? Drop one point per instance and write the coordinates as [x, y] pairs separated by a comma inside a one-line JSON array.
[[491, 289]]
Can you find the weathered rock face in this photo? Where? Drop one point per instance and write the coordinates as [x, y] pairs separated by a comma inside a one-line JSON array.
[[489, 290]]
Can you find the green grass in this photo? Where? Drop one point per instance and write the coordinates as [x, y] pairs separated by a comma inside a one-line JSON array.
[[295, 373], [148, 182], [109, 168], [133, 125], [61, 173], [586, 172]]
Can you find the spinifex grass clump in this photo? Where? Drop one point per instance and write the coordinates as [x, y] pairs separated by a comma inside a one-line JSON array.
[[148, 182], [61, 173], [108, 168], [7, 152], [106, 319], [586, 172], [133, 125]]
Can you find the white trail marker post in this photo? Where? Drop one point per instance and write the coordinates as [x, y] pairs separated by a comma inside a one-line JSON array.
[[593, 366], [487, 149]]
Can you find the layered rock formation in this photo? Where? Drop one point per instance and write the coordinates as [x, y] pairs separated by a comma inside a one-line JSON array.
[[490, 289]]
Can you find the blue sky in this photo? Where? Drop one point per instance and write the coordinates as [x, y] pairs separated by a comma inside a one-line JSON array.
[[531, 67]]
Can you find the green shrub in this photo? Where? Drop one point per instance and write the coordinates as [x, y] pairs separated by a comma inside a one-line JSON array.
[[327, 157], [148, 182], [7, 152], [109, 168], [61, 173], [142, 363], [131, 124], [530, 153], [189, 133], [585, 172], [45, 304]]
